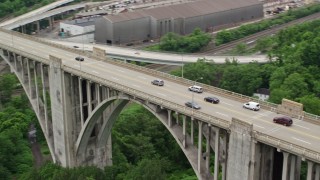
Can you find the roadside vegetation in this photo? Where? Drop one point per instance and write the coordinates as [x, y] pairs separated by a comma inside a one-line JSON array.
[[173, 42], [226, 36], [19, 7]]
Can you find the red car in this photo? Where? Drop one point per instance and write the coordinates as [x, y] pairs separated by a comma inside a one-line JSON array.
[[283, 120]]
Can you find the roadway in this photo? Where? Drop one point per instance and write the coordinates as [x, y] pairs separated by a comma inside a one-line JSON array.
[[160, 58], [301, 133]]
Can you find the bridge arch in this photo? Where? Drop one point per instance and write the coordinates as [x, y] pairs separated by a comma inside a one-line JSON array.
[[116, 105]]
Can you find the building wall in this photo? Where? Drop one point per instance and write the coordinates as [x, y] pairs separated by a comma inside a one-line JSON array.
[[71, 29], [104, 31], [225, 17], [151, 28], [131, 31]]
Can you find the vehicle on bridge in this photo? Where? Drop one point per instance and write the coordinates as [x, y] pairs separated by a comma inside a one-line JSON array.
[[192, 105], [213, 100], [252, 105], [195, 88], [157, 82], [287, 121], [79, 58]]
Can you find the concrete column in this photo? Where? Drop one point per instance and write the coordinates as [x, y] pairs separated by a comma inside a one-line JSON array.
[[44, 99], [29, 78], [38, 26], [224, 162], [15, 61], [310, 170], [108, 93], [98, 94], [298, 168], [285, 166], [50, 22], [199, 146], [252, 160], [169, 118], [184, 141], [89, 98], [81, 101], [192, 139], [292, 167], [36, 85], [208, 149], [22, 69], [216, 154], [317, 176], [177, 119]]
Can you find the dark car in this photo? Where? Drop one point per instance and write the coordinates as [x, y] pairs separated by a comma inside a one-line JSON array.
[[79, 58], [212, 100], [283, 120], [192, 105], [157, 82]]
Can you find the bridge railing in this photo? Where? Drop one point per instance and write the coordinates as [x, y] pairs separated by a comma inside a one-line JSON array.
[[287, 146], [24, 54]]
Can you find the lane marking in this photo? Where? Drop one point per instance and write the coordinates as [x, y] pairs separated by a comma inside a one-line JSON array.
[[227, 104], [259, 126], [136, 86], [301, 126], [120, 70], [95, 72], [301, 140], [54, 50], [115, 78], [21, 47], [141, 77], [222, 114], [273, 130], [161, 94]]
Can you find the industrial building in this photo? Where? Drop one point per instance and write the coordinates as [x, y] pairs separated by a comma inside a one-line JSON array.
[[179, 18]]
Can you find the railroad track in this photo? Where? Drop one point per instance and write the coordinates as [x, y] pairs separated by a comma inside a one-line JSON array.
[[219, 49]]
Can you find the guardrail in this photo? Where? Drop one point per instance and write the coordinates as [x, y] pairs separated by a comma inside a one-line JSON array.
[[288, 147]]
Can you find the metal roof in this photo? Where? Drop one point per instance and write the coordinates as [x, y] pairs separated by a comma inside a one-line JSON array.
[[184, 10]]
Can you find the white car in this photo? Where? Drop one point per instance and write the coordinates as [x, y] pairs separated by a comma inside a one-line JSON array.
[[197, 89], [252, 105]]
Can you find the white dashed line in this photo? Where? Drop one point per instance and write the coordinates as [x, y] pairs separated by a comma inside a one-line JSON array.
[[115, 78], [259, 126], [222, 114], [227, 104], [141, 77], [161, 94], [21, 47], [54, 50], [301, 126], [301, 140], [274, 129], [136, 85], [120, 70], [95, 72]]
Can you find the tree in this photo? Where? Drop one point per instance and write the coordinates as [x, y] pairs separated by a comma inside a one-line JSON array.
[[7, 84]]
